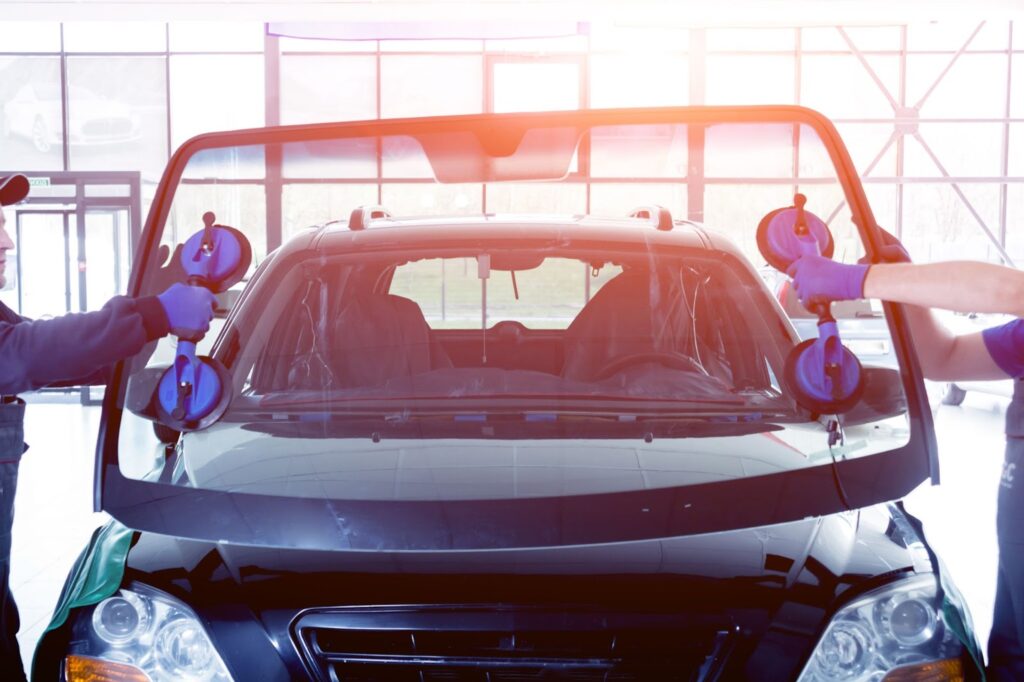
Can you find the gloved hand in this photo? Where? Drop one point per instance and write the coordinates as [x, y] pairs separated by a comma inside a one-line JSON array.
[[189, 309], [892, 250], [817, 279]]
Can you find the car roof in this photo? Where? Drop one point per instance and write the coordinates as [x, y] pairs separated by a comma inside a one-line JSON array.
[[422, 231]]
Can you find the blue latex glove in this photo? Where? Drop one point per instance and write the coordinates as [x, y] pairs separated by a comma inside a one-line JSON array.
[[892, 250], [1005, 344], [189, 309], [817, 279]]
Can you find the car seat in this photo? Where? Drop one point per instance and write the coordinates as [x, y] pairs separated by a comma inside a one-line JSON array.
[[377, 337], [633, 313]]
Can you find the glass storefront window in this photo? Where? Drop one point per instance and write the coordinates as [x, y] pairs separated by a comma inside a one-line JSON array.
[[431, 199], [974, 86], [741, 79], [306, 205], [117, 114], [215, 92], [430, 85], [536, 197], [638, 80], [962, 149], [839, 84], [619, 199], [216, 36], [115, 36], [241, 206], [321, 88], [751, 39], [536, 86], [31, 119], [30, 36]]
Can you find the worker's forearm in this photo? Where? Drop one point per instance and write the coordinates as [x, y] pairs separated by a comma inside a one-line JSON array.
[[962, 286], [932, 341], [45, 352]]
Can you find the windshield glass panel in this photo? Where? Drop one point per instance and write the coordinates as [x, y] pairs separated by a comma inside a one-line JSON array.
[[513, 321]]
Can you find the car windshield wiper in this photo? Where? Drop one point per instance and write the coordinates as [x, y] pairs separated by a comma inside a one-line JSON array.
[[695, 412], [512, 425], [292, 400]]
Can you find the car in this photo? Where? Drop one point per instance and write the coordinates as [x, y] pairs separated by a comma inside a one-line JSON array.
[[34, 113], [506, 445]]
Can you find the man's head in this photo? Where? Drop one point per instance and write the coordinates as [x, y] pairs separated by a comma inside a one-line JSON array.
[[13, 188]]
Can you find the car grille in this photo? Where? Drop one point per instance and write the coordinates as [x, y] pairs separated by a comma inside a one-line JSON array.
[[433, 644]]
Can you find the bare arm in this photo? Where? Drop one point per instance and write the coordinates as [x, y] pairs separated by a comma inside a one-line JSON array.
[[945, 356], [962, 286]]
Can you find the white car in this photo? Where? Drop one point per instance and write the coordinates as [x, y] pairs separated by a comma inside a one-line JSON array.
[[34, 113]]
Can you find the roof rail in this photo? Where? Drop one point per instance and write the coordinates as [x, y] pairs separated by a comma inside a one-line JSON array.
[[654, 212], [362, 215]]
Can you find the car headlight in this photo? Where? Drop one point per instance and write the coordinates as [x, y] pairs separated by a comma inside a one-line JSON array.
[[895, 633], [142, 634]]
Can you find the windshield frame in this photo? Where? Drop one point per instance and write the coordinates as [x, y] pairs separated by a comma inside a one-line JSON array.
[[359, 525]]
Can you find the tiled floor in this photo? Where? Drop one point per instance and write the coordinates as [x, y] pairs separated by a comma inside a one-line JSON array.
[[55, 519], [959, 515], [53, 510]]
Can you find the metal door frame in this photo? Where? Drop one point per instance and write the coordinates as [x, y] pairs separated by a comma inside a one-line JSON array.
[[81, 201]]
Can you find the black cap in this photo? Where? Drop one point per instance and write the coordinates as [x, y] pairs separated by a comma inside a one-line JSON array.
[[13, 188]]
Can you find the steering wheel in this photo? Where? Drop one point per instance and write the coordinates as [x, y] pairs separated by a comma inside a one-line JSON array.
[[670, 360]]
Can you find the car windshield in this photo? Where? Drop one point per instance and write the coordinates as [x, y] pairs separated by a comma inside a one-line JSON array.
[[548, 324], [482, 308]]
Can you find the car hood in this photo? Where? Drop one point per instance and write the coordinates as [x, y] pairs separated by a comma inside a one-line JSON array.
[[822, 557], [784, 578]]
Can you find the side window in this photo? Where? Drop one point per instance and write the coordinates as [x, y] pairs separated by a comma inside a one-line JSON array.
[[548, 295]]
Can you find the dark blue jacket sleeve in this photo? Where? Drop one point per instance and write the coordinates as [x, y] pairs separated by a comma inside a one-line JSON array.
[[39, 353]]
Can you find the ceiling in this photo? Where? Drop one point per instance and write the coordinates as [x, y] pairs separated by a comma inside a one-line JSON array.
[[636, 13]]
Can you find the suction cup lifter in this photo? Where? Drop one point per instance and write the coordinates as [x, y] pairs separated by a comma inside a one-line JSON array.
[[193, 392], [823, 375], [786, 234]]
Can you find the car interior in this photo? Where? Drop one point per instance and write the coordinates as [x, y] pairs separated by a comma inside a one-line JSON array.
[[653, 321]]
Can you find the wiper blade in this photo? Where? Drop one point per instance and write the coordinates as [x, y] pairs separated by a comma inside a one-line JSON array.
[[507, 426], [562, 416], [289, 400]]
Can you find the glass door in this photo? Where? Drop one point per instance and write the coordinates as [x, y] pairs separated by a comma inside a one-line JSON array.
[[106, 255], [46, 247], [104, 261]]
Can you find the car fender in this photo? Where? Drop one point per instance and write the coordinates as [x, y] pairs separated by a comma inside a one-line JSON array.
[[96, 575], [954, 606]]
